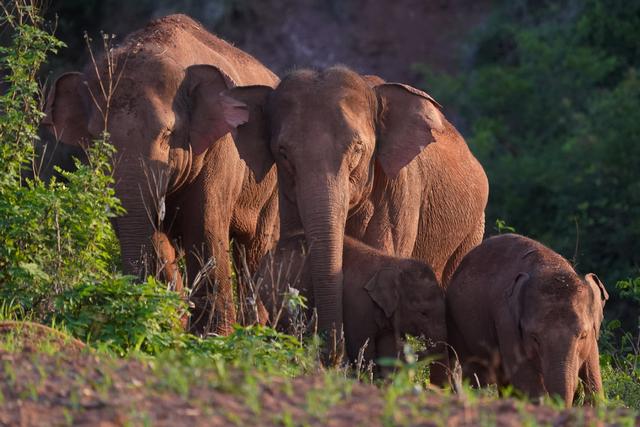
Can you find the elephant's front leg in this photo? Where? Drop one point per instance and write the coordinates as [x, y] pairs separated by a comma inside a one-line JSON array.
[[590, 375], [254, 229], [205, 221]]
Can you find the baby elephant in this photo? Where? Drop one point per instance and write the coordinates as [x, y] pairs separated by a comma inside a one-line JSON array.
[[519, 314], [384, 299]]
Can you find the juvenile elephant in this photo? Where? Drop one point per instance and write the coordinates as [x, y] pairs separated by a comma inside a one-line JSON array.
[[518, 314], [177, 170], [377, 160], [385, 299]]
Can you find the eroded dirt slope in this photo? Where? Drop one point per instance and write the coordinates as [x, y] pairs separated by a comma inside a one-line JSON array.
[[47, 379]]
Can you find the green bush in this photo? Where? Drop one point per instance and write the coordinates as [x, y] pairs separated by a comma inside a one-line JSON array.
[[551, 107], [58, 251], [124, 316]]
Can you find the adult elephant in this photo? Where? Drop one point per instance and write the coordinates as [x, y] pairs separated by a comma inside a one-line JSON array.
[[177, 170], [376, 160]]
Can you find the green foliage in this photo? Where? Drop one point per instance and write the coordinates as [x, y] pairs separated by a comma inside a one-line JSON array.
[[552, 109], [254, 347], [54, 236], [123, 315], [620, 357], [58, 253], [20, 108]]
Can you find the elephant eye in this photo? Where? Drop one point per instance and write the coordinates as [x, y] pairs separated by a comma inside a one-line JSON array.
[[583, 335]]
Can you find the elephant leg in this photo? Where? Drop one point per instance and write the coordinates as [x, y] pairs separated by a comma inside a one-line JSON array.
[[477, 372], [590, 375], [387, 348], [251, 246], [472, 240], [205, 235]]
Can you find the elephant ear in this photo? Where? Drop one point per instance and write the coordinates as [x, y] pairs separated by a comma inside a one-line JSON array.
[[383, 290], [598, 287], [67, 110], [600, 294], [515, 296], [408, 120], [207, 123], [244, 110]]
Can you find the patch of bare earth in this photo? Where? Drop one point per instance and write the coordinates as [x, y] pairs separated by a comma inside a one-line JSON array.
[[49, 379]]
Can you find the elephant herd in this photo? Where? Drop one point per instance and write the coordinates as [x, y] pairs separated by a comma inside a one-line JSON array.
[[363, 184]]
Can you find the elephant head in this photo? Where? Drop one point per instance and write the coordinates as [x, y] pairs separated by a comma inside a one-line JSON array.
[[559, 316], [327, 132], [412, 300], [161, 118]]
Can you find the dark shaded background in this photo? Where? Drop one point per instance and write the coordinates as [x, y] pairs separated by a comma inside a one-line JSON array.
[[371, 36]]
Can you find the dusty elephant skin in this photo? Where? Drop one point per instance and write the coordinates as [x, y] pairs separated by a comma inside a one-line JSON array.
[[376, 160], [177, 169], [520, 315], [385, 299]]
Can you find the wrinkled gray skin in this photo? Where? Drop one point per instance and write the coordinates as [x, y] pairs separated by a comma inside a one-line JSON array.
[[520, 315], [177, 170], [385, 299], [376, 160]]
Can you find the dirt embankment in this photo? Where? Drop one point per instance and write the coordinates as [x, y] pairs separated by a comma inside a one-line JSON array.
[[49, 379]]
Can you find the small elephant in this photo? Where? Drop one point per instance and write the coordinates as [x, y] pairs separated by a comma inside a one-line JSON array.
[[385, 298], [518, 314]]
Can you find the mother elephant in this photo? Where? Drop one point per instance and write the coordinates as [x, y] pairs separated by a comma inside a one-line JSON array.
[[177, 168], [377, 160]]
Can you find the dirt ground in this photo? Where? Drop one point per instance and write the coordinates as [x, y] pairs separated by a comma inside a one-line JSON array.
[[48, 379]]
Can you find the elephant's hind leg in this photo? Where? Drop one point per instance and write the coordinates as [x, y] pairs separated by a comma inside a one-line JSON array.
[[472, 240]]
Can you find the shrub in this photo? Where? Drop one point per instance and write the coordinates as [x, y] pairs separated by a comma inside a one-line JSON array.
[[58, 251], [551, 107]]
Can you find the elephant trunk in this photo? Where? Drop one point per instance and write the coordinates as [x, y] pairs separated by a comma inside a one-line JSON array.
[[134, 229], [560, 374], [323, 214]]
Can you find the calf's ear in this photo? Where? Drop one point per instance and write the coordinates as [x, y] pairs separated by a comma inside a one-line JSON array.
[[600, 294], [383, 290], [515, 296], [597, 286]]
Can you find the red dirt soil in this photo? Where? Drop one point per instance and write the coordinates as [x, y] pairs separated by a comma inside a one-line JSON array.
[[48, 379]]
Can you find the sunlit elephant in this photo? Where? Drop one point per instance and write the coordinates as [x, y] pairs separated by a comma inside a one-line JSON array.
[[177, 169], [520, 315], [385, 299], [377, 160]]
